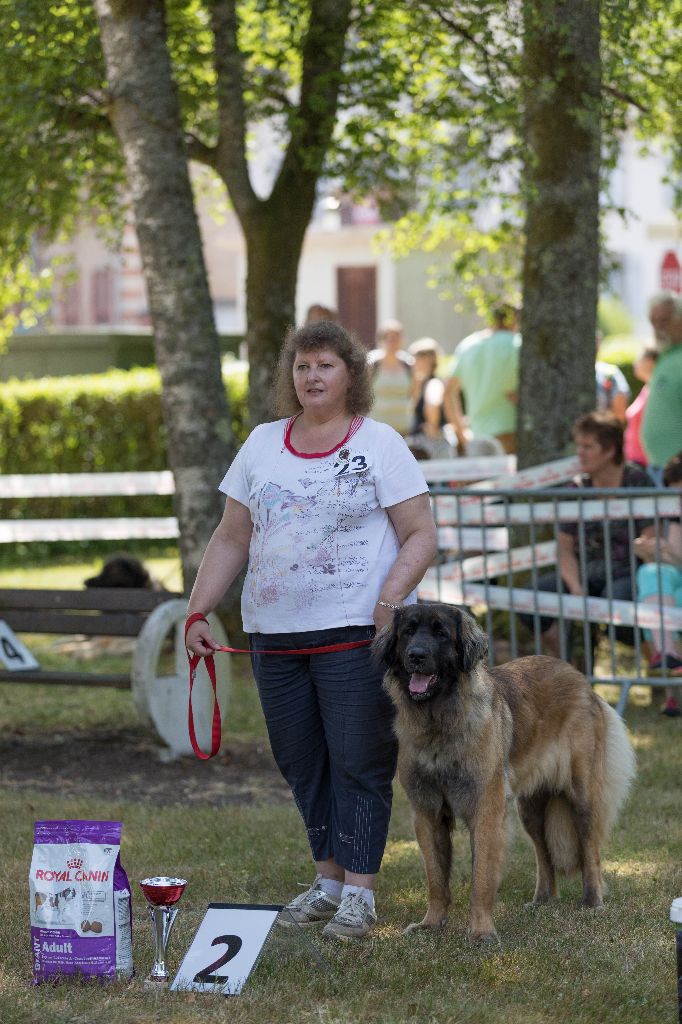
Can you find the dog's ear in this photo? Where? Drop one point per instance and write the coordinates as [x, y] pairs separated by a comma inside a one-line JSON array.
[[385, 644], [472, 642]]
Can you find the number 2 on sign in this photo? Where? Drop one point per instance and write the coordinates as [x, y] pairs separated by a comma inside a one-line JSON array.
[[205, 976]]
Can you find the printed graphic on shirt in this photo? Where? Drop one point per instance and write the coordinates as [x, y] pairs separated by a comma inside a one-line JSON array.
[[305, 539], [322, 542]]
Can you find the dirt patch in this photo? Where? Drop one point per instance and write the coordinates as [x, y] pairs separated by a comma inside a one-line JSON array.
[[126, 765]]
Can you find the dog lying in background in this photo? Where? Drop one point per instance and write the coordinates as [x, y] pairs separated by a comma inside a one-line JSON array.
[[123, 571], [119, 571], [471, 738]]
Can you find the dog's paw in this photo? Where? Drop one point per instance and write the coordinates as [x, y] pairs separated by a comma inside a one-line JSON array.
[[539, 901], [425, 925], [484, 940], [593, 904]]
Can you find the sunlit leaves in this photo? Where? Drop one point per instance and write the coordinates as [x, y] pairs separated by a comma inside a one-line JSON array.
[[25, 294], [429, 113]]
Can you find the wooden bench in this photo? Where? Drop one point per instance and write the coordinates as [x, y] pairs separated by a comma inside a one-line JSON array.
[[101, 611]]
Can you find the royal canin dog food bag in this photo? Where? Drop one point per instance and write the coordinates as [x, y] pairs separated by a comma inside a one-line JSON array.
[[81, 914]]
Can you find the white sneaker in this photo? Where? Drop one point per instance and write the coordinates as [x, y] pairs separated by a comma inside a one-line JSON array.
[[309, 908], [353, 920]]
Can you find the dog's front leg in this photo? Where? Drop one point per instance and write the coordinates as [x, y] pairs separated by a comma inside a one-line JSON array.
[[487, 834], [435, 843]]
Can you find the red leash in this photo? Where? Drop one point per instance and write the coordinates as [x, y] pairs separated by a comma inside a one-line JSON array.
[[194, 660]]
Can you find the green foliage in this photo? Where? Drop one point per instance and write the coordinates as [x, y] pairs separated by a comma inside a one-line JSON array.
[[643, 74], [619, 349], [24, 295], [622, 351], [612, 317], [87, 424], [430, 125], [58, 155]]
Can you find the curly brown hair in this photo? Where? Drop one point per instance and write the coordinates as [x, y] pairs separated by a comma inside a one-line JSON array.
[[311, 337]]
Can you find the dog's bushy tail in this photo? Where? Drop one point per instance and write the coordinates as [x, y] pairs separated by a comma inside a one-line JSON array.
[[619, 766], [615, 771]]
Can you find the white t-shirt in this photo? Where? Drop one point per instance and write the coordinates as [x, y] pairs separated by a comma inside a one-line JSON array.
[[322, 542]]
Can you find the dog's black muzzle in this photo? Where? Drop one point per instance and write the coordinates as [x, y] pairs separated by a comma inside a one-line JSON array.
[[419, 658]]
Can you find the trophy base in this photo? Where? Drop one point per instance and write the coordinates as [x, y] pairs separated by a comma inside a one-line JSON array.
[[152, 984]]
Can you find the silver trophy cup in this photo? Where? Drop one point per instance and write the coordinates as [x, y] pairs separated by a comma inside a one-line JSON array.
[[161, 894]]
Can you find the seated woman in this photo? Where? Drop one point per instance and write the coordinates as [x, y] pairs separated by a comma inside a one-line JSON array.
[[660, 583], [599, 447]]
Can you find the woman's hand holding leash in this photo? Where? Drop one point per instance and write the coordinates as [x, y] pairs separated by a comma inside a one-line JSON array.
[[198, 638]]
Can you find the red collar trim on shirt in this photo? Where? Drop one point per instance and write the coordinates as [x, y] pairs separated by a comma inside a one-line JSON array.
[[355, 425]]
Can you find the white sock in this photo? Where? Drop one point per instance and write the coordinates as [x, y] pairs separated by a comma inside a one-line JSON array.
[[332, 887], [367, 894]]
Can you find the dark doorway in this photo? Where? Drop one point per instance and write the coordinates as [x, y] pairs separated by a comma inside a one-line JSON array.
[[356, 290]]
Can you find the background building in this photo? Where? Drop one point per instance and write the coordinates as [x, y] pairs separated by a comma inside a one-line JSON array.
[[101, 291]]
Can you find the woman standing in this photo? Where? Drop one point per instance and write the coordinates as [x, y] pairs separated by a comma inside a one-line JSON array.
[[634, 414], [428, 393], [332, 513]]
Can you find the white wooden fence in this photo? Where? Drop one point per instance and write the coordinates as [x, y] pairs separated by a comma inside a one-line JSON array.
[[91, 485]]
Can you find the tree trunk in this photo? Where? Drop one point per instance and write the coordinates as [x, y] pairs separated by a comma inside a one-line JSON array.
[[145, 114], [274, 228], [270, 297], [561, 80]]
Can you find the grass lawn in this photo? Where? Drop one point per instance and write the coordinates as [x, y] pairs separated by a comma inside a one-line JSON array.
[[558, 964]]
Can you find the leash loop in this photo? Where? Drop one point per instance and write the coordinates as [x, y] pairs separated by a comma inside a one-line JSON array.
[[194, 660]]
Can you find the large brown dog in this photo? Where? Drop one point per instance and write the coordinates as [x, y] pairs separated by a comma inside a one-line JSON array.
[[471, 738]]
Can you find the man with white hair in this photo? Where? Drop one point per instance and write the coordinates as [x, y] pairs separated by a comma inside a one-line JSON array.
[[662, 424]]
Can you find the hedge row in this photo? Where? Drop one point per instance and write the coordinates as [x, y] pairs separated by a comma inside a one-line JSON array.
[[107, 422]]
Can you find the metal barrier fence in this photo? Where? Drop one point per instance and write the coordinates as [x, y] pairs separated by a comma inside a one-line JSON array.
[[497, 543]]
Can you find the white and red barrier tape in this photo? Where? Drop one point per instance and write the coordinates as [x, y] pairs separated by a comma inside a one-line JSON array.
[[480, 567], [465, 469], [549, 474], [450, 511], [591, 609]]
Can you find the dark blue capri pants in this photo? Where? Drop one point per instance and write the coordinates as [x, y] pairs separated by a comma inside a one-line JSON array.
[[330, 725]]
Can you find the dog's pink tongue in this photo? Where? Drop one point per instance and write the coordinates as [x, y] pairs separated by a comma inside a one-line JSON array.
[[419, 683]]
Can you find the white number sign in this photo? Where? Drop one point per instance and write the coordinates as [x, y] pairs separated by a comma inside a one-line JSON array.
[[225, 948], [12, 652]]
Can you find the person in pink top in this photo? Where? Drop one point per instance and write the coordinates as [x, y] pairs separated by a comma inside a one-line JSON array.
[[632, 444]]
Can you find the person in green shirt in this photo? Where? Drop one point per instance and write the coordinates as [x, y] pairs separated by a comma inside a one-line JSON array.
[[662, 423], [486, 372]]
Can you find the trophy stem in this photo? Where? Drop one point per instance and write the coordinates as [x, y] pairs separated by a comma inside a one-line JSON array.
[[162, 921], [161, 893]]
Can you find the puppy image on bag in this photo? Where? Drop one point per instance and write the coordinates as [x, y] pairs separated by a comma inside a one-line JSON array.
[[52, 908], [472, 738], [81, 920]]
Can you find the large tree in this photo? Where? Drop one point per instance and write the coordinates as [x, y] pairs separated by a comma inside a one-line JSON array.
[[274, 226], [553, 85], [104, 104], [173, 84], [561, 80], [418, 103], [144, 110]]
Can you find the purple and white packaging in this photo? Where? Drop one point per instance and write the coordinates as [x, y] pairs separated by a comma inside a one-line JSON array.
[[81, 913]]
